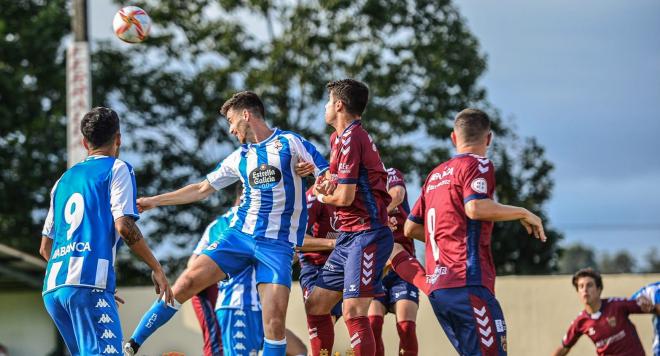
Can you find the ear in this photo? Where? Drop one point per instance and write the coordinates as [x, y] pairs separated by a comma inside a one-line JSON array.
[[118, 139], [489, 139], [85, 143], [339, 105], [246, 114], [453, 138]]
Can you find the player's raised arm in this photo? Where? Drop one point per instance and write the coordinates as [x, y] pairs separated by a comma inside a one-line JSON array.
[[490, 210], [186, 195]]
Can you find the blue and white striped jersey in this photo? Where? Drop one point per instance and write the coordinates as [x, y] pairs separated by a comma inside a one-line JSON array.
[[650, 291], [239, 292], [215, 229], [273, 204], [84, 204]]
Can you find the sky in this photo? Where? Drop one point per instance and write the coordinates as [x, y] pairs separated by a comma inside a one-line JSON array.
[[583, 77]]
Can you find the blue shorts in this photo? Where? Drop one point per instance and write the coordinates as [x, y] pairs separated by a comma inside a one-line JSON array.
[[472, 319], [235, 251], [356, 264], [87, 319], [397, 289], [308, 276], [242, 331]]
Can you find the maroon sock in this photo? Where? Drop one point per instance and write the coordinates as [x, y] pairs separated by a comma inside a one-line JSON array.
[[376, 322], [410, 270], [407, 338], [321, 333], [362, 338]]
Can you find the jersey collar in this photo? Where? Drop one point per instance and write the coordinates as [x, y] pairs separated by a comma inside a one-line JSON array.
[[350, 126], [275, 133]]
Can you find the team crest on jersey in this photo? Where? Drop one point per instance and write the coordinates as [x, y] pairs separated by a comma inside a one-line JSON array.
[[265, 177], [212, 246], [612, 321], [278, 144], [479, 185]]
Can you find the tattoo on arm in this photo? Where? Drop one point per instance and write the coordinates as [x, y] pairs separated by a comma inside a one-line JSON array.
[[128, 230]]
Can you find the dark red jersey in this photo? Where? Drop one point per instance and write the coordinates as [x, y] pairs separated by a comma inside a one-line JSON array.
[[609, 328], [354, 159], [399, 215], [458, 249], [322, 223]]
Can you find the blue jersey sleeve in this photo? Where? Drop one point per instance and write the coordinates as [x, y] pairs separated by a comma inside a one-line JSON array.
[[308, 153]]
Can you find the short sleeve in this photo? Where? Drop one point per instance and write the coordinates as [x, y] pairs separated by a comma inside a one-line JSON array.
[[478, 180], [123, 191], [308, 153], [205, 241], [349, 157], [226, 172], [417, 213], [48, 224], [394, 178], [629, 306], [572, 335]]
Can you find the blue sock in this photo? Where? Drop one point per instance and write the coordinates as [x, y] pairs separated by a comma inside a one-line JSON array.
[[154, 318], [274, 348]]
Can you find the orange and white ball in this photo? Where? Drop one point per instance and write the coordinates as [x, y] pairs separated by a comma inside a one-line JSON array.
[[131, 24]]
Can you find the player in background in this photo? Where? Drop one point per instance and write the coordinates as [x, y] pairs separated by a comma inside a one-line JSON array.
[[652, 293], [401, 297], [455, 215], [605, 321], [354, 268], [270, 221], [320, 239], [92, 206]]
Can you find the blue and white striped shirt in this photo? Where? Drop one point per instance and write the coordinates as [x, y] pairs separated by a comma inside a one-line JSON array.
[[273, 204], [84, 204]]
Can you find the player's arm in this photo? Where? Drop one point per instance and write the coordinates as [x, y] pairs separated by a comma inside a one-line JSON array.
[[132, 236], [47, 232], [186, 195], [310, 160], [343, 195], [398, 194], [561, 351], [414, 230], [489, 210], [313, 244], [46, 247], [414, 226]]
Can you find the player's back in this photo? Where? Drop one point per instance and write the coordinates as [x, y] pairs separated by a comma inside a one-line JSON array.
[[82, 224], [458, 251]]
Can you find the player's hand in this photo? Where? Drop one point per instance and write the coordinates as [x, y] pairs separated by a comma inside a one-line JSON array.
[[534, 225], [646, 304], [162, 286], [392, 222], [144, 204], [118, 299], [304, 168]]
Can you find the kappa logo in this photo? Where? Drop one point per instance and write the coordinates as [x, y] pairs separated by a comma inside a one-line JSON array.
[[239, 324], [239, 346], [104, 319], [239, 312], [212, 246], [101, 303], [485, 330], [109, 349], [239, 335], [108, 334]]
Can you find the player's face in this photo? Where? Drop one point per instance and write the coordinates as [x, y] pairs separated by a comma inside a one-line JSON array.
[[330, 112], [238, 125], [587, 290]]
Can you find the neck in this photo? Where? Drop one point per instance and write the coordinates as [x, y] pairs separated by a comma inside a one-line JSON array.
[[593, 307], [479, 150], [101, 151], [343, 121], [260, 132]]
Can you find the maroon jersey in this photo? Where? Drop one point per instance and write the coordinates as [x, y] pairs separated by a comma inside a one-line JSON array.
[[458, 249], [399, 215], [321, 223], [354, 159], [609, 328]]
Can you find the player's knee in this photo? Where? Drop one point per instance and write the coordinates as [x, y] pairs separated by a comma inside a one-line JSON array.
[[274, 328]]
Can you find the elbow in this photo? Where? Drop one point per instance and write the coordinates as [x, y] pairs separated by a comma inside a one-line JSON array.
[[472, 210], [44, 253]]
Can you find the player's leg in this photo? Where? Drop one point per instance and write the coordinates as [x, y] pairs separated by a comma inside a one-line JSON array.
[[204, 305], [365, 262], [231, 254], [408, 268], [405, 298], [273, 275], [294, 346], [324, 296], [61, 318], [484, 301], [443, 301], [377, 311], [95, 320], [308, 276]]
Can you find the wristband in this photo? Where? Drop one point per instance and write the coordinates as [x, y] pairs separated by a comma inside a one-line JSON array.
[[320, 198]]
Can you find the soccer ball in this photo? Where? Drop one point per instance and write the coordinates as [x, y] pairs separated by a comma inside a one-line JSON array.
[[131, 24]]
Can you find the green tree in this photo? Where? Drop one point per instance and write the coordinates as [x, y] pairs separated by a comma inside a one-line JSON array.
[[32, 115], [652, 259], [619, 262], [576, 257]]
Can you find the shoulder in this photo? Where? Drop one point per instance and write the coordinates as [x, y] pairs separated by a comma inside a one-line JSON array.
[[467, 161]]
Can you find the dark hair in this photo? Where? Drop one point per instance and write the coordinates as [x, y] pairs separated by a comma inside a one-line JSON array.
[[354, 94], [472, 124], [99, 126], [588, 272], [244, 100]]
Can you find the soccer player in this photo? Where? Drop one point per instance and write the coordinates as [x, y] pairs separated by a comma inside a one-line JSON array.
[[400, 297], [354, 268], [455, 215], [652, 293], [320, 239], [268, 224], [92, 206], [605, 321]]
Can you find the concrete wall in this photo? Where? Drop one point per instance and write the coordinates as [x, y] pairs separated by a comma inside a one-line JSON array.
[[538, 311]]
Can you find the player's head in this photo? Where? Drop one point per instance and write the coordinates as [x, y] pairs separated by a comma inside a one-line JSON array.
[[100, 130], [471, 128], [589, 285], [241, 110], [345, 97]]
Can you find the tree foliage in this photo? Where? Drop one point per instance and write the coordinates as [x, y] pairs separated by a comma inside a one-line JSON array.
[[418, 57]]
